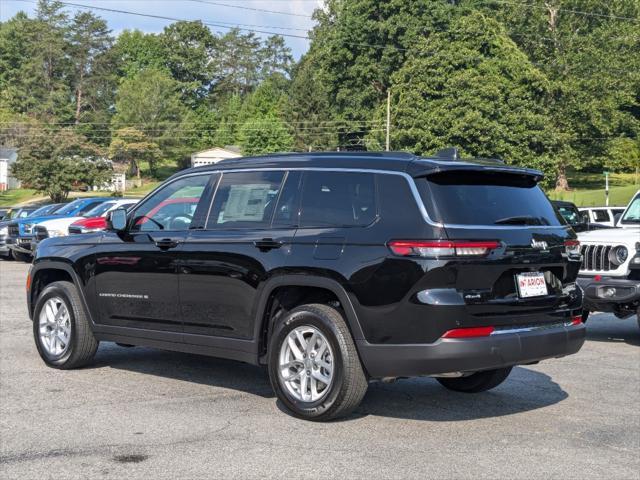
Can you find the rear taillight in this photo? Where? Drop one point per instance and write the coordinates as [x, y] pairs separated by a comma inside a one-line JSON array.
[[442, 248], [469, 332], [572, 247]]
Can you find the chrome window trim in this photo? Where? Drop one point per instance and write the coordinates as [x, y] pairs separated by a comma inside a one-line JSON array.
[[410, 181]]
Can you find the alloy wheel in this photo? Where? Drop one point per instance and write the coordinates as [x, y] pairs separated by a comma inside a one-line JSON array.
[[306, 364]]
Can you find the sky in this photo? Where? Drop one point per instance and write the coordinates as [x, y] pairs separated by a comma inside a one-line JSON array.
[[295, 19]]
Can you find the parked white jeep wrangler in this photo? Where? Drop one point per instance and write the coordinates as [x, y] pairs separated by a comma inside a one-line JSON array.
[[610, 272]]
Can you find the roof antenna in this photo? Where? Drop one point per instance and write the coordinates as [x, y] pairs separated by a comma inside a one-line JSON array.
[[450, 153]]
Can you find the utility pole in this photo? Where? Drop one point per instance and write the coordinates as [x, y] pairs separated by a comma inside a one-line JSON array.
[[388, 116]]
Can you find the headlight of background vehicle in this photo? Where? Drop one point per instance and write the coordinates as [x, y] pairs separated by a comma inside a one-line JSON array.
[[56, 233], [618, 255], [4, 230]]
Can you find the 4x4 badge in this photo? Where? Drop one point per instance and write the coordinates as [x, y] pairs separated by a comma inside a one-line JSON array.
[[539, 244]]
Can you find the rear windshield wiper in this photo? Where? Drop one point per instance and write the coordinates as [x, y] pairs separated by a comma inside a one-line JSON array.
[[521, 220]]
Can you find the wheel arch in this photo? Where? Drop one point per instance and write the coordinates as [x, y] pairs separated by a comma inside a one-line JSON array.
[[45, 273], [311, 288]]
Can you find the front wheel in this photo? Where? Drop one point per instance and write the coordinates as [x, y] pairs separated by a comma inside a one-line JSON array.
[[313, 364], [61, 327], [477, 382]]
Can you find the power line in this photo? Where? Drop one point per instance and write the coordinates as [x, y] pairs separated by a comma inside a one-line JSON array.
[[277, 12], [568, 10]]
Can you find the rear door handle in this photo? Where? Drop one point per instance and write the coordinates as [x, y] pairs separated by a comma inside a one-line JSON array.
[[166, 244], [267, 244]]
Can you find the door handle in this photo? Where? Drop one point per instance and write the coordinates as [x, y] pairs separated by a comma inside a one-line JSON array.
[[267, 244], [166, 244]]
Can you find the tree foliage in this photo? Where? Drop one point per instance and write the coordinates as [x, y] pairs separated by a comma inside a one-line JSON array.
[[55, 161]]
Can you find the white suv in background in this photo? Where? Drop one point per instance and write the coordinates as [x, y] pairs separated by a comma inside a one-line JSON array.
[[602, 215], [59, 227], [610, 272]]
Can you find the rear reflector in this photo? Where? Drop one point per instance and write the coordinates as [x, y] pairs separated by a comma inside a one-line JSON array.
[[28, 285], [469, 332], [441, 248]]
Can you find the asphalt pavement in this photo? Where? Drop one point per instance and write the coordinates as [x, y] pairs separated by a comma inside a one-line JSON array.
[[145, 413]]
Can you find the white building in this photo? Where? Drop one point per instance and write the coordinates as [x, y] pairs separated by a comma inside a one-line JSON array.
[[214, 155], [8, 157]]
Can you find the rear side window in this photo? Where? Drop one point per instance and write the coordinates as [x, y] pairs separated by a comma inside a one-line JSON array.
[[89, 206], [601, 215], [338, 199], [486, 198], [245, 200]]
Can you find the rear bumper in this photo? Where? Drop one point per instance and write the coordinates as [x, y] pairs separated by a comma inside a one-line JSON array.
[[471, 354], [627, 293]]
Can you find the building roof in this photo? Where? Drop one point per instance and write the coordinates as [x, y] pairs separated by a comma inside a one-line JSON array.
[[232, 149]]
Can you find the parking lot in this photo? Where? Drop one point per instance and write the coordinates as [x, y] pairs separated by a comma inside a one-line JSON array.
[[140, 412]]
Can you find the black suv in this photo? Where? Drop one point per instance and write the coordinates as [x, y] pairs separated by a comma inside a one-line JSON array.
[[332, 269]]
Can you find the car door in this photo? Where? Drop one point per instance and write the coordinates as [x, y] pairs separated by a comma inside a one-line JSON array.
[[247, 237], [136, 271]]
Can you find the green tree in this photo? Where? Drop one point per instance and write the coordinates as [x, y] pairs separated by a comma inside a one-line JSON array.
[[151, 102], [309, 108], [34, 53], [131, 146], [276, 57], [54, 161], [236, 63], [593, 64], [89, 40], [471, 87], [135, 51], [263, 135], [226, 132], [623, 155], [188, 48]]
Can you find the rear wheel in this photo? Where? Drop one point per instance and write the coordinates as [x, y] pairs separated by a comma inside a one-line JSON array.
[[313, 364], [477, 382]]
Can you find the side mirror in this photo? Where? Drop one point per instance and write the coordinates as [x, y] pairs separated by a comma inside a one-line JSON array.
[[117, 220]]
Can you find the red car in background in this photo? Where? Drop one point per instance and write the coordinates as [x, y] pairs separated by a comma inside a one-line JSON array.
[[171, 210]]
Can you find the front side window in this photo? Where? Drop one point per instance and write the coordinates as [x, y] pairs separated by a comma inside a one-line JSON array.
[[245, 200], [338, 199], [171, 208]]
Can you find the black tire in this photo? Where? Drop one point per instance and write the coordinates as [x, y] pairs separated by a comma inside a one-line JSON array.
[[21, 257], [82, 344], [477, 382], [349, 383], [585, 316]]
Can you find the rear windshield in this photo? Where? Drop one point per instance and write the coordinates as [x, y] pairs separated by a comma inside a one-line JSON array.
[[486, 198]]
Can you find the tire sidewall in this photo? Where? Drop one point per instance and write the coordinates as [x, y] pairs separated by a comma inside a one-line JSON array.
[[47, 293], [297, 318]]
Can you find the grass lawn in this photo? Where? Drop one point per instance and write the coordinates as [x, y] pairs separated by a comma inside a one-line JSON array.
[[618, 196], [18, 196], [141, 191]]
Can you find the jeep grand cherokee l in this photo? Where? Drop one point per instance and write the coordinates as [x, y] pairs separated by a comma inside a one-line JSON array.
[[332, 269]]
